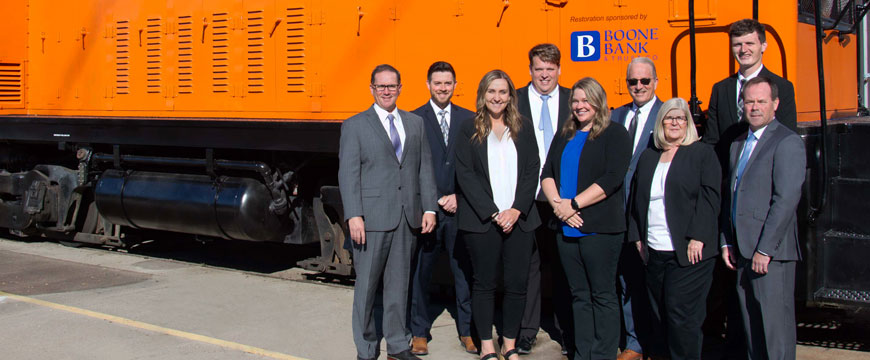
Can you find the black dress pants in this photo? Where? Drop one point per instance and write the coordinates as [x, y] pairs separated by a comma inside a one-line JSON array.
[[490, 251], [678, 296], [590, 265]]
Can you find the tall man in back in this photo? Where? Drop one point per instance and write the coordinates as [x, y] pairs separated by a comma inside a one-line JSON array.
[[548, 105], [639, 117], [441, 122], [748, 43], [759, 224], [386, 183]]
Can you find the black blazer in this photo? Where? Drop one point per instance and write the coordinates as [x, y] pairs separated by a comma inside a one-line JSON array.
[[475, 204], [525, 109], [691, 198], [722, 125], [603, 161], [443, 155]]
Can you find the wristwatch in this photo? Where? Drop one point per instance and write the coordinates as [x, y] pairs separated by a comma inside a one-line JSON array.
[[575, 205]]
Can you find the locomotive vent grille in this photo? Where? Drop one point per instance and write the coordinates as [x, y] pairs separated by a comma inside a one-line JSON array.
[[122, 57], [256, 57], [295, 50], [10, 83], [185, 55], [153, 67], [220, 53]]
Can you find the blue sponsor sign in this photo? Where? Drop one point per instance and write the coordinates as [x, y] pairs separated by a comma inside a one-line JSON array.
[[585, 46]]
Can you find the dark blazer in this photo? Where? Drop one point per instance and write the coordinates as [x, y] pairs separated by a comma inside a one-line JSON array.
[[525, 109], [475, 204], [723, 126], [691, 198], [767, 199], [443, 155], [603, 161], [646, 141]]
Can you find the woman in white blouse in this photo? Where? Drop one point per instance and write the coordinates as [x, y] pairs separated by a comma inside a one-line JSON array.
[[674, 212], [496, 174]]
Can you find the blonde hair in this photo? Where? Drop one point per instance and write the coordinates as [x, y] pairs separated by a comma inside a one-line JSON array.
[[482, 122], [659, 129], [597, 98]]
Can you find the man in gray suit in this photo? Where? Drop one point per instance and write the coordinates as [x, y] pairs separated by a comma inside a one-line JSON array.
[[638, 117], [386, 183], [767, 165]]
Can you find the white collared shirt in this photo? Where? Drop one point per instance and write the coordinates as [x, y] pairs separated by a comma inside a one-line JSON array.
[[435, 108], [641, 120], [747, 78], [535, 104], [502, 160], [382, 115]]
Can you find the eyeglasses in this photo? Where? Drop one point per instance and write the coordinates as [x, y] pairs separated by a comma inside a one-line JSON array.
[[383, 88], [671, 119], [644, 81]]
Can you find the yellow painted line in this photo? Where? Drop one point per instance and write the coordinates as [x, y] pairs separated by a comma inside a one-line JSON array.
[[154, 328]]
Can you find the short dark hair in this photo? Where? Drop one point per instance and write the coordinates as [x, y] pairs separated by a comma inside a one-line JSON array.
[[440, 66], [774, 91], [547, 52], [386, 67], [747, 26]]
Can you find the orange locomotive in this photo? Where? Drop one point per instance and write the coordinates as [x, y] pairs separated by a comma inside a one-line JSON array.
[[221, 117]]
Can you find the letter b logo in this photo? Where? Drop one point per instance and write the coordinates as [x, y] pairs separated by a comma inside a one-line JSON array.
[[585, 46]]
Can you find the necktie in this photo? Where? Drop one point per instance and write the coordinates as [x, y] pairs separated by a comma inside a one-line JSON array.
[[632, 128], [546, 125], [740, 100], [741, 165], [444, 127], [394, 137]]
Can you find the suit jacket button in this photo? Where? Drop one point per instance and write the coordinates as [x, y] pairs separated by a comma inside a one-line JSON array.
[[448, 163], [400, 188]]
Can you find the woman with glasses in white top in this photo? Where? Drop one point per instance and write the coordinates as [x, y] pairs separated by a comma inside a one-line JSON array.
[[674, 222]]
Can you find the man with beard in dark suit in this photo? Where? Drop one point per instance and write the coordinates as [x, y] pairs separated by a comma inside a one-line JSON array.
[[441, 122]]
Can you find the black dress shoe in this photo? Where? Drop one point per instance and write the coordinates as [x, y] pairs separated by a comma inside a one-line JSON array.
[[525, 344], [404, 355]]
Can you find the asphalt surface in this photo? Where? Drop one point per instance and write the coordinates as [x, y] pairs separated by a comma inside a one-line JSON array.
[[222, 300]]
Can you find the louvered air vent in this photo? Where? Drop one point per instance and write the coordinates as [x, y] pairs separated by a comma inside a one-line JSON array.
[[295, 45], [185, 55], [153, 49], [10, 83], [220, 53], [122, 57], [256, 56]]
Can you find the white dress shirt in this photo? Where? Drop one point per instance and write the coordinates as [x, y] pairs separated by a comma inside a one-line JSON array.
[[535, 104], [502, 160], [641, 120], [658, 235], [382, 114], [747, 78]]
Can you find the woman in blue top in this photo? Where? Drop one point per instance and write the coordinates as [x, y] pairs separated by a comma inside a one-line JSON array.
[[583, 181]]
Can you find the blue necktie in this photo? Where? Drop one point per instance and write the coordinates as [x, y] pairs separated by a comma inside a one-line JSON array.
[[741, 165], [546, 125], [394, 137]]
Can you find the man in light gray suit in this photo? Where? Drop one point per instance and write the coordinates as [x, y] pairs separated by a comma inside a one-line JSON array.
[[639, 118], [767, 166], [386, 183]]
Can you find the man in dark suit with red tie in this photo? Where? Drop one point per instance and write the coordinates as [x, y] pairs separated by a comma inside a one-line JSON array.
[[441, 122]]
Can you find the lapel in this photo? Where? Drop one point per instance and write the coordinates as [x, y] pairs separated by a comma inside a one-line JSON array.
[[455, 125], [564, 104], [378, 128], [523, 105], [482, 156], [731, 95], [647, 130], [736, 148], [620, 113], [760, 144], [406, 124]]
